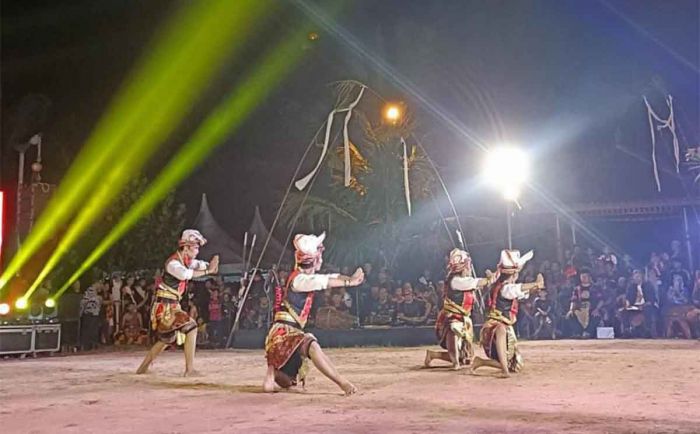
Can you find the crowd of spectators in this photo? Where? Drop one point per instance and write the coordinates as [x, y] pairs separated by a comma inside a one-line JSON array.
[[585, 292]]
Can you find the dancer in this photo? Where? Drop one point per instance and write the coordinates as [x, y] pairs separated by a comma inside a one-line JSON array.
[[287, 347], [497, 334], [454, 328], [170, 322]]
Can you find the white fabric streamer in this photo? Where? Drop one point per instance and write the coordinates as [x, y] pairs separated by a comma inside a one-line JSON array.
[[346, 138], [303, 182], [669, 123], [406, 187]]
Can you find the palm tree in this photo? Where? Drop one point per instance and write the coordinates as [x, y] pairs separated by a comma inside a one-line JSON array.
[[368, 220]]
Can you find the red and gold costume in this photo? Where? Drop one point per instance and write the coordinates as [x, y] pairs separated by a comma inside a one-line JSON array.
[[454, 320], [168, 319], [503, 309], [287, 345]]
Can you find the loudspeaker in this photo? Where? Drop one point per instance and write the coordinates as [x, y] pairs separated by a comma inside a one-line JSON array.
[[16, 339], [47, 338]]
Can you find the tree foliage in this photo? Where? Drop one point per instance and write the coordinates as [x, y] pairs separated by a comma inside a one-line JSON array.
[[146, 245], [368, 221]]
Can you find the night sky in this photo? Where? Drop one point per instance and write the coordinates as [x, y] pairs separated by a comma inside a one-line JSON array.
[[563, 78]]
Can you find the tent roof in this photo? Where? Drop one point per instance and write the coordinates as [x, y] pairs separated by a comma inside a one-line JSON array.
[[218, 241], [274, 250]]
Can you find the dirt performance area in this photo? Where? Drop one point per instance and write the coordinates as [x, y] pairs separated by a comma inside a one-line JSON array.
[[566, 386]]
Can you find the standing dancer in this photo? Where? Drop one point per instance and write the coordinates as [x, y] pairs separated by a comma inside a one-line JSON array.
[[170, 322], [454, 328], [497, 334], [287, 347]]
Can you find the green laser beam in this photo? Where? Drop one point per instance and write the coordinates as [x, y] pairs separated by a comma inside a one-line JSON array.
[[224, 120], [180, 63]]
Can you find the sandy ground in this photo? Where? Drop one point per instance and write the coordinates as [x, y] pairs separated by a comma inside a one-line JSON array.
[[567, 386]]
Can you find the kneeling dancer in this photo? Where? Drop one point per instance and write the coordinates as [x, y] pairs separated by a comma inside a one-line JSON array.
[[454, 328], [287, 347], [170, 323], [497, 334]]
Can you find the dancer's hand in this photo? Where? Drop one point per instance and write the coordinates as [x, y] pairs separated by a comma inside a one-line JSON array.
[[357, 277], [540, 281], [214, 265]]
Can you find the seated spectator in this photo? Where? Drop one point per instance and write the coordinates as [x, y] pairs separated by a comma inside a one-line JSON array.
[[338, 303], [263, 318], [526, 319], [250, 318], [397, 296], [411, 311], [345, 297], [675, 313], [132, 326], [430, 297], [677, 293], [229, 308], [579, 314], [544, 312], [384, 311], [641, 306]]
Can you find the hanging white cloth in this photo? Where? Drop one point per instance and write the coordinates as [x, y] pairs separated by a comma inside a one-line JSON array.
[[303, 182], [669, 123], [406, 186], [346, 138]]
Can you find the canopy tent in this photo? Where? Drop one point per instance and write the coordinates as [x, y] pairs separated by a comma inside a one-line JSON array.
[[219, 242], [275, 250]]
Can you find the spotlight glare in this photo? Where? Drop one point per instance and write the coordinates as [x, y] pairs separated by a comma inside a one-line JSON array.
[[21, 303], [4, 308], [50, 303], [392, 113], [507, 169]]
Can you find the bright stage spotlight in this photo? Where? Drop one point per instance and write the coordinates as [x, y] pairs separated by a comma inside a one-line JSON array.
[[392, 113], [4, 308], [21, 303], [507, 169], [50, 303]]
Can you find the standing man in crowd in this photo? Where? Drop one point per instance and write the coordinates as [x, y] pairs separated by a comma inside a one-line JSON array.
[[170, 322], [90, 307]]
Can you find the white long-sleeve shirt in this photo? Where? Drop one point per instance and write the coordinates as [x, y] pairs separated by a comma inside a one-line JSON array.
[[180, 272], [468, 283], [511, 291], [312, 282]]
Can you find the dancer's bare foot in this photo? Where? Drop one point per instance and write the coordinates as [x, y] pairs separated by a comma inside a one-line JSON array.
[[270, 386], [348, 388], [504, 374], [457, 367], [476, 363], [192, 373], [427, 360]]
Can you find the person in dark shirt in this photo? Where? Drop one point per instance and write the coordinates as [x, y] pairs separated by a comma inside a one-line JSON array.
[[544, 315], [384, 310], [411, 311]]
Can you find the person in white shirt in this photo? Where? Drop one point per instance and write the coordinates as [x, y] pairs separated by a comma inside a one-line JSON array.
[[453, 327], [497, 334], [287, 346], [170, 322]]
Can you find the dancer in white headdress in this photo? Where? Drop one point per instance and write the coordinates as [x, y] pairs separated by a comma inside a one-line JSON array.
[[454, 328], [170, 323], [287, 346], [497, 334]]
